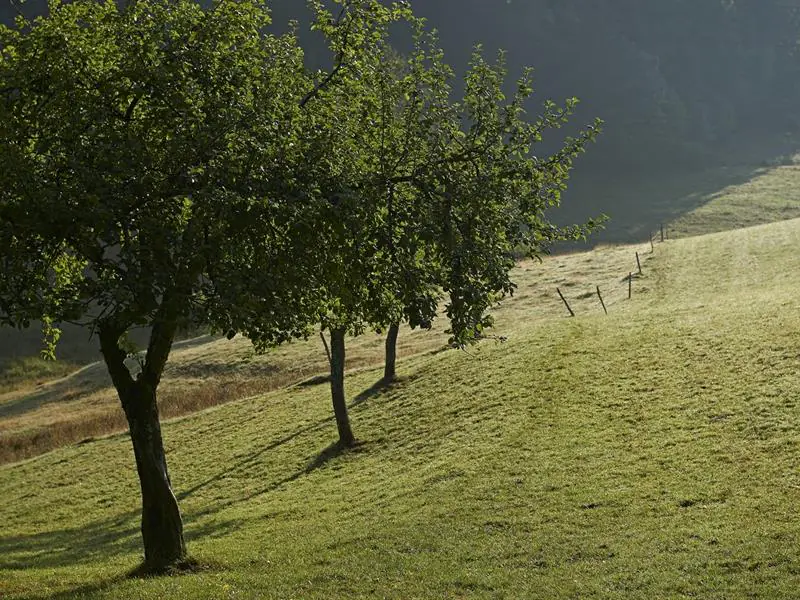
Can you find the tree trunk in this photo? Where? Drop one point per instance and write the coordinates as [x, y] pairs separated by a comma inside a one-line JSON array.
[[346, 437], [389, 371], [162, 527]]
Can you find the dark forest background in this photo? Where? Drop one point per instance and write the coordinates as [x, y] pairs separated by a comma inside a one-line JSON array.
[[684, 86]]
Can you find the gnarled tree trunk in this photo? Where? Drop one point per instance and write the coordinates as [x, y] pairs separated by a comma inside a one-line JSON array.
[[346, 437], [389, 371], [162, 526]]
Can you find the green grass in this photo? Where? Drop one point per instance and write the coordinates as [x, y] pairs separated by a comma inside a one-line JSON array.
[[650, 454], [653, 453], [204, 371]]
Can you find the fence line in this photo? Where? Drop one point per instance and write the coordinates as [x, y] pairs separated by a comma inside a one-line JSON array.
[[664, 235]]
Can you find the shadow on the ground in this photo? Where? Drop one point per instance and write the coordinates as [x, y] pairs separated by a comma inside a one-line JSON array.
[[119, 534], [331, 452], [113, 536]]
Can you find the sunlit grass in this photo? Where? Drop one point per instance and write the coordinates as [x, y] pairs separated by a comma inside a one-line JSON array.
[[204, 371], [652, 453]]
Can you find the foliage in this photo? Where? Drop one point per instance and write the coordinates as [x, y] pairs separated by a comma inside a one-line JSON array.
[[417, 192], [493, 191], [138, 141]]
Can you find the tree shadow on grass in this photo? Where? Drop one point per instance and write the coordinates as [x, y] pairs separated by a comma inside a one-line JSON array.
[[381, 387], [249, 460], [376, 389], [83, 590], [110, 537], [330, 453], [119, 535], [97, 541]]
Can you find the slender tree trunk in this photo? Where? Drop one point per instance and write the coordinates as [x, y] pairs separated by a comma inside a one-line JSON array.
[[346, 437], [162, 527], [389, 371]]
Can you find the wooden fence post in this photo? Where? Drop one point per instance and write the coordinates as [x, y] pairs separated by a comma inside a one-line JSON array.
[[662, 232], [599, 295], [564, 300], [638, 263], [652, 246]]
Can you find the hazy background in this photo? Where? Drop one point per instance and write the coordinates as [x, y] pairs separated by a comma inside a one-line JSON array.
[[684, 86]]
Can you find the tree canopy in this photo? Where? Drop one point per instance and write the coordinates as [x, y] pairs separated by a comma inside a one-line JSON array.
[[420, 194]]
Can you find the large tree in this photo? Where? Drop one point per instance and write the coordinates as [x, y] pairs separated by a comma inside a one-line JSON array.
[[143, 149]]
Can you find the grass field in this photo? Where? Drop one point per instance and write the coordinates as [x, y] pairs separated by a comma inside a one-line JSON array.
[[772, 194], [652, 453], [36, 416]]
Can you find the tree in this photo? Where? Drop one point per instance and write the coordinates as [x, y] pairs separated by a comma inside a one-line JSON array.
[[418, 193], [144, 148], [375, 258], [465, 191], [346, 257], [492, 192]]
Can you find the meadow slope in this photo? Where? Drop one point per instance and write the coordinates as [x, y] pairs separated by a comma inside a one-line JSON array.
[[652, 453], [38, 414]]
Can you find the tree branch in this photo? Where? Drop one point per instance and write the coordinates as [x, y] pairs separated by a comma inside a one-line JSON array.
[[327, 349], [160, 344], [321, 85], [340, 63], [115, 357]]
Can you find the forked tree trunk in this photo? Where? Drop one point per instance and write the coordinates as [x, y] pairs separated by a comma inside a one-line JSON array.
[[389, 371], [162, 527], [346, 437]]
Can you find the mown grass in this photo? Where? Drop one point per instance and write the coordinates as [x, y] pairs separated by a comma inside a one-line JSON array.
[[652, 453], [203, 372]]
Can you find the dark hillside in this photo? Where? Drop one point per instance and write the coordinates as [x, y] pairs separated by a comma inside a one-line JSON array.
[[683, 85]]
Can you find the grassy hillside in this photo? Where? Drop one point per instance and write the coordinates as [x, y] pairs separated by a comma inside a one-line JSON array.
[[771, 194], [691, 202], [650, 453], [40, 415]]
